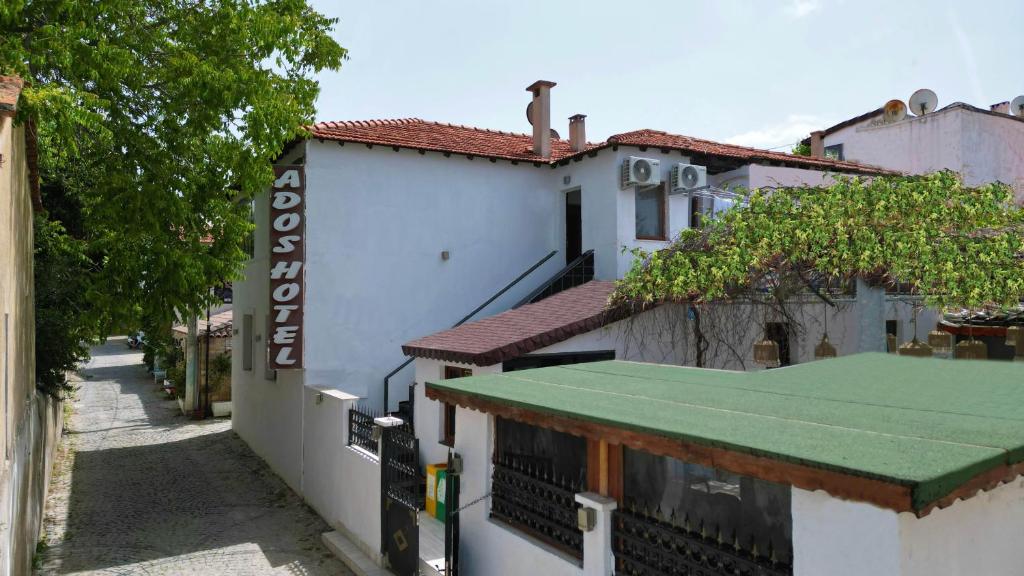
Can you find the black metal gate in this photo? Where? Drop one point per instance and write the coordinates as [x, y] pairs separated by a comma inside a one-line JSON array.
[[401, 499], [451, 519]]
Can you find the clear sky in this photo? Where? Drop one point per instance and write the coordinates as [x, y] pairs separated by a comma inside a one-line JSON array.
[[761, 73]]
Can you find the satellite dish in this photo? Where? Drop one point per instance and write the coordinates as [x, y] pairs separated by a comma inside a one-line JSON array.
[[529, 113], [689, 177], [1017, 106], [894, 111], [923, 101]]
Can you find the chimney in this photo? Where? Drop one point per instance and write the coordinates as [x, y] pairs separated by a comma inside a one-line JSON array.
[[578, 132], [1002, 107], [541, 90], [818, 144]]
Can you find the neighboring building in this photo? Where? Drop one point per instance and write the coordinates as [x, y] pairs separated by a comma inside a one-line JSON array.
[[865, 464], [32, 420], [982, 145], [211, 392]]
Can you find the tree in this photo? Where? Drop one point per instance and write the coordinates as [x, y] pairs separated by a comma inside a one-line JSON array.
[[957, 246], [156, 121]]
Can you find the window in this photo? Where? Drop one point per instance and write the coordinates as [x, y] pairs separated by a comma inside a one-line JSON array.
[[696, 212], [650, 213], [834, 152], [247, 342], [448, 410], [749, 512]]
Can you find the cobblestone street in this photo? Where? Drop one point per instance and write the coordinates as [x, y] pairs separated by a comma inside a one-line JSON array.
[[143, 490]]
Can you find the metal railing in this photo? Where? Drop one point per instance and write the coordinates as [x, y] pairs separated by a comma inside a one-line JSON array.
[[360, 429], [576, 273], [498, 294], [649, 545], [531, 498]]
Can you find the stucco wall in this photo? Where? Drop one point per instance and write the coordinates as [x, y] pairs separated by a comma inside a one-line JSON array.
[[980, 535], [485, 546], [340, 482], [427, 412]]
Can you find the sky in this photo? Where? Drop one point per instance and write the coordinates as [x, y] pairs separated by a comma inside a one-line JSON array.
[[758, 73]]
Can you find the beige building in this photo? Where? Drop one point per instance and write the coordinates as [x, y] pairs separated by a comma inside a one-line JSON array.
[[32, 420]]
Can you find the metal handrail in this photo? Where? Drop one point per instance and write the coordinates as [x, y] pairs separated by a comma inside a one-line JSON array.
[[387, 379], [579, 262]]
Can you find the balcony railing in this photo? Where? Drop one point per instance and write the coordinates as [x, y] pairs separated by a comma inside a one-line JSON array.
[[578, 272], [648, 545], [534, 500]]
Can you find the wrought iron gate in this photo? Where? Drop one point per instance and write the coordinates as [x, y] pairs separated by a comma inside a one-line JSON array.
[[401, 499], [451, 519]]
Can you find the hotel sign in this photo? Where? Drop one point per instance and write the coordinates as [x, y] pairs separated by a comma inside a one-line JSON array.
[[287, 260]]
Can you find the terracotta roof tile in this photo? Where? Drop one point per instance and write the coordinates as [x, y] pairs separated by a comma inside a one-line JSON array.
[[455, 139], [10, 89], [521, 330]]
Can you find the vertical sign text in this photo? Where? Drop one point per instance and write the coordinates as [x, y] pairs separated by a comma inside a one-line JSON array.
[[287, 259]]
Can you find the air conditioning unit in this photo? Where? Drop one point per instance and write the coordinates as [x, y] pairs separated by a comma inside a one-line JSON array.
[[688, 177], [640, 172]]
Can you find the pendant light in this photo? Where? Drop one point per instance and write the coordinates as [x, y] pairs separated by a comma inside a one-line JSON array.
[[1014, 336], [941, 342], [915, 347], [825, 349], [971, 349]]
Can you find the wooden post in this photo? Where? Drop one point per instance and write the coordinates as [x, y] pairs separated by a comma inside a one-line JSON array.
[[602, 462]]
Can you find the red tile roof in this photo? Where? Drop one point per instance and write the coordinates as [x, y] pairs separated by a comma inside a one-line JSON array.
[[521, 330], [658, 139], [455, 139], [10, 89], [435, 136]]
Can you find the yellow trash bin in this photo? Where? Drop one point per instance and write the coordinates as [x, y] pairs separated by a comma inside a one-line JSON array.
[[432, 495]]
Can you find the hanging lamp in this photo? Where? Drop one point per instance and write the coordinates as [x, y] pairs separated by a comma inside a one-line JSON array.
[[941, 342], [915, 347], [971, 349], [825, 349], [1014, 336]]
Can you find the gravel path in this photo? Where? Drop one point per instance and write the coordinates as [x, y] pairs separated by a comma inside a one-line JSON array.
[[139, 489]]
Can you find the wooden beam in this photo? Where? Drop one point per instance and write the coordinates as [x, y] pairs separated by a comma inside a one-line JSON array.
[[602, 467]]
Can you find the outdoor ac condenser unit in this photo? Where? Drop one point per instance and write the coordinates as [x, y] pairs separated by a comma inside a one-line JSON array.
[[688, 177], [640, 172]]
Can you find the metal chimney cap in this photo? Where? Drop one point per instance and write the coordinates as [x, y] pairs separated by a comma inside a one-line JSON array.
[[536, 86]]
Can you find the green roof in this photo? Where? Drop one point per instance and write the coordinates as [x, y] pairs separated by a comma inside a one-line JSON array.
[[928, 424]]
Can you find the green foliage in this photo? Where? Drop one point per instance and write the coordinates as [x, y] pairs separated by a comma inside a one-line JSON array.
[[156, 120], [802, 149], [65, 319], [960, 246]]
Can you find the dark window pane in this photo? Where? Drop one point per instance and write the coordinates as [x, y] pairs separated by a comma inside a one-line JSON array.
[[650, 203]]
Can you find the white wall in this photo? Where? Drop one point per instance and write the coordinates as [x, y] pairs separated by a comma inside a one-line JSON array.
[[377, 222], [427, 413], [978, 536], [485, 546], [340, 482]]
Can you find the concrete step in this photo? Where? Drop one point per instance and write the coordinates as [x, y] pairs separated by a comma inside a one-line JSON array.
[[353, 557]]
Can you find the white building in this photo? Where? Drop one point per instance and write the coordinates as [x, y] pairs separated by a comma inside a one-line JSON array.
[[383, 231], [982, 145], [865, 464]]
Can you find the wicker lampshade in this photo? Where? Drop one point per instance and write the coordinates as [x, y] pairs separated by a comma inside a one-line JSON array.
[[1014, 335], [940, 341], [891, 343], [916, 348], [971, 350], [766, 353], [825, 349]]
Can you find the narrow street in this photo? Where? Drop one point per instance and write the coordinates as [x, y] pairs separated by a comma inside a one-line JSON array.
[[143, 490]]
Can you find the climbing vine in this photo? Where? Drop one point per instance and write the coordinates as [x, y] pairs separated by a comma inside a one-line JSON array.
[[956, 246]]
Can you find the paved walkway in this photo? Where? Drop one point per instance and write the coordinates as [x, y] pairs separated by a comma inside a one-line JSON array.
[[146, 491]]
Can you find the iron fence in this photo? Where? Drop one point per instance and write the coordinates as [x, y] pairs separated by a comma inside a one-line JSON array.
[[360, 429], [648, 544], [530, 498]]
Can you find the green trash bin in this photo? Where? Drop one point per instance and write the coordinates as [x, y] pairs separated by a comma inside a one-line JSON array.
[[442, 486]]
